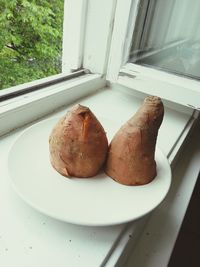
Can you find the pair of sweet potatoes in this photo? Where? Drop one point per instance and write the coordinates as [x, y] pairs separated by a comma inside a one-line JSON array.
[[79, 146]]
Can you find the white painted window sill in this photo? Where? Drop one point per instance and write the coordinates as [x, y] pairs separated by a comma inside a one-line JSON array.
[[159, 235], [28, 238]]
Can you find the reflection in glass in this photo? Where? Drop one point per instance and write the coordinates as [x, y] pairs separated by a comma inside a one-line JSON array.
[[167, 36]]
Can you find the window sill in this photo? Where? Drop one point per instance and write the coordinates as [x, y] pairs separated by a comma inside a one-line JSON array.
[[159, 235], [110, 242]]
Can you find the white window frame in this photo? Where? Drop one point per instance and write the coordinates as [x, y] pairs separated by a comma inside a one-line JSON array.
[[96, 42], [87, 35], [86, 42], [70, 14], [73, 34], [171, 87]]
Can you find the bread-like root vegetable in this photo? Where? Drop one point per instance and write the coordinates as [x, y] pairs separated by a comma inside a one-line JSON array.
[[131, 156], [78, 144]]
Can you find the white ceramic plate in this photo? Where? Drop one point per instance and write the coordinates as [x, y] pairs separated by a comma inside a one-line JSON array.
[[95, 201]]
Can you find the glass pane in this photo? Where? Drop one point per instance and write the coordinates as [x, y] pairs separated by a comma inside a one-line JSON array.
[[30, 40], [167, 36]]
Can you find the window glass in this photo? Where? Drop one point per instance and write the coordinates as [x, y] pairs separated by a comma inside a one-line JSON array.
[[167, 36], [30, 40]]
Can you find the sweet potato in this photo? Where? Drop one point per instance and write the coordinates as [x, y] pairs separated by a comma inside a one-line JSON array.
[[131, 156], [78, 144]]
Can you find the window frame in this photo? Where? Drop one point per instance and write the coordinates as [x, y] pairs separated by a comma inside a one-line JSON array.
[[75, 49], [81, 41], [181, 90], [101, 57], [87, 38], [74, 23], [30, 107], [83, 68]]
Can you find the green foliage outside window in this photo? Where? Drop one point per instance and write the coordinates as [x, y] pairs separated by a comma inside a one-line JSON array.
[[30, 40]]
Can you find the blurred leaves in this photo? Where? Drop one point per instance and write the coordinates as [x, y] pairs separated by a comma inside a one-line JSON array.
[[30, 40]]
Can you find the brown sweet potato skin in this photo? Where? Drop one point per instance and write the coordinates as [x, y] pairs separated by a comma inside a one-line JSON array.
[[131, 152], [78, 144]]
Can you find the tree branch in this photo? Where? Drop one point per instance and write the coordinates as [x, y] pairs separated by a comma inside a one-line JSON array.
[[13, 47]]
